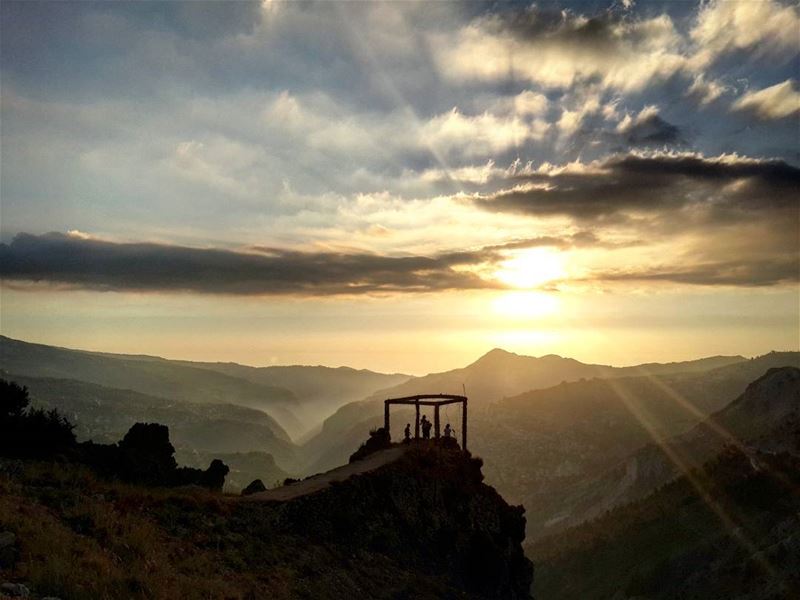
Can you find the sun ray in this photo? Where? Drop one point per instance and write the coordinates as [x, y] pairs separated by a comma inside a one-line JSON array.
[[687, 466]]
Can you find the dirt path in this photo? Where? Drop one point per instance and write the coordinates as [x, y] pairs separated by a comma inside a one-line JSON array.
[[319, 482]]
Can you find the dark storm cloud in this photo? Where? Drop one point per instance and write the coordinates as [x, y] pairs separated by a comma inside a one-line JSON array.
[[77, 262], [728, 187]]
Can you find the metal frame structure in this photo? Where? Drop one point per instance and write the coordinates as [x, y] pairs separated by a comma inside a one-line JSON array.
[[435, 400]]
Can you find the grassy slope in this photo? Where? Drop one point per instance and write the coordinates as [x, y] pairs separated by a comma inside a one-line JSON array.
[[81, 537]]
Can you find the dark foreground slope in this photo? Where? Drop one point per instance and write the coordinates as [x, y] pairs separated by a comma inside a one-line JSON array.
[[424, 526]]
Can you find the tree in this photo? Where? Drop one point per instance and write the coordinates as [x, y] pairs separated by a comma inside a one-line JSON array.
[[13, 400], [26, 431]]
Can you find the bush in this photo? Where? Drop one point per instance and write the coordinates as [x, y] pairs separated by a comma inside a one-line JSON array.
[[30, 432]]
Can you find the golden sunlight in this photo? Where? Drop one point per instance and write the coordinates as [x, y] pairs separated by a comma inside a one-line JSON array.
[[531, 268], [525, 304]]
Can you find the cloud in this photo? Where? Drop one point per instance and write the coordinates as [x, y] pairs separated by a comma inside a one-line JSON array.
[[775, 102], [649, 129], [530, 103], [557, 50], [84, 263], [647, 183], [479, 135], [750, 272], [705, 91], [766, 28]]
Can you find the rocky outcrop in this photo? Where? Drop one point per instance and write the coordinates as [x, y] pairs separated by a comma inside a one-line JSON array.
[[431, 513], [254, 487]]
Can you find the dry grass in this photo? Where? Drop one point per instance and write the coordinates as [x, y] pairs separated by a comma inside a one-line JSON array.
[[83, 538]]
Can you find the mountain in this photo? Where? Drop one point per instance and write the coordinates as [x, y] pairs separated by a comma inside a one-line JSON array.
[[175, 382], [499, 373], [547, 448], [105, 414], [492, 377], [299, 397], [320, 390], [729, 530], [765, 417], [423, 526]]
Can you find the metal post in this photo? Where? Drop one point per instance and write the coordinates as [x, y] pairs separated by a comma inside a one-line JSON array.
[[464, 425], [436, 421], [386, 417], [416, 423]]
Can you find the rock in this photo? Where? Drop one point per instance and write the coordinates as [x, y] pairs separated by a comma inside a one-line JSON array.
[[15, 590], [255, 486], [214, 476]]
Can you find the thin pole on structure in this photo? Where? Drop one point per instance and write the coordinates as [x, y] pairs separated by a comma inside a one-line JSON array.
[[386, 416], [464, 424], [436, 421], [416, 423]]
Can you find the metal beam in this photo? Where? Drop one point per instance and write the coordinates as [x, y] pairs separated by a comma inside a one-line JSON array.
[[423, 402], [431, 396]]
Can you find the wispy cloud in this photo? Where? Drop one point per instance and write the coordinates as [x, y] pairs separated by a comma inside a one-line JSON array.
[[775, 102]]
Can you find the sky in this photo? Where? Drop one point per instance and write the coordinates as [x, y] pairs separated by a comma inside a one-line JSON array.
[[401, 186]]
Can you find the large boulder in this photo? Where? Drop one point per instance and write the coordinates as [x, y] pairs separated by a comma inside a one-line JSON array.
[[147, 454], [214, 477]]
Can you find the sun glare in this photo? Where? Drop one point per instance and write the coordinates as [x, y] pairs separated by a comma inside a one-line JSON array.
[[525, 304], [531, 268]]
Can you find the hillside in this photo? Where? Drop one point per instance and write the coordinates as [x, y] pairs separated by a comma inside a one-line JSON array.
[[498, 374], [104, 414], [320, 390], [299, 397], [730, 530], [423, 526], [766, 416], [547, 449], [165, 380], [543, 447]]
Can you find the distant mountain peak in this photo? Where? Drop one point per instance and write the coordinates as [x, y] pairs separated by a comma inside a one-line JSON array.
[[499, 352]]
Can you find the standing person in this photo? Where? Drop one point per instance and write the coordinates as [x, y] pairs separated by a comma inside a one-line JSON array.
[[407, 433], [447, 430], [426, 428]]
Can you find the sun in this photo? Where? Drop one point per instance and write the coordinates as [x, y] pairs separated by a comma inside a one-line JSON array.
[[531, 268]]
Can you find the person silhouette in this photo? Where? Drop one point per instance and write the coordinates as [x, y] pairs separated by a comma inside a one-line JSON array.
[[407, 433], [447, 430], [426, 428]]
